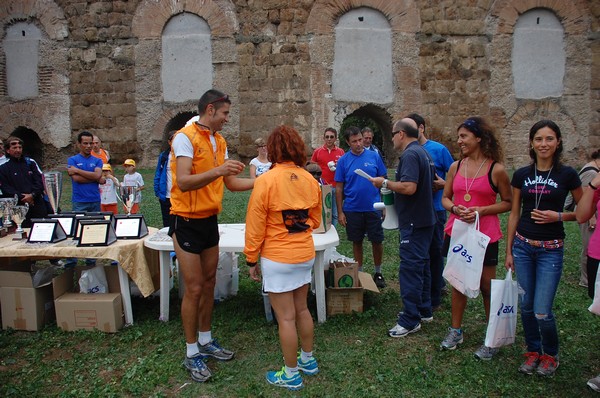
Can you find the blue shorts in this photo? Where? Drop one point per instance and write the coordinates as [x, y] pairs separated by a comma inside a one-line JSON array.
[[360, 223]]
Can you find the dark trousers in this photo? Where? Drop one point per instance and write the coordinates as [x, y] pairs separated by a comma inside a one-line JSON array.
[[436, 259], [165, 209], [414, 275]]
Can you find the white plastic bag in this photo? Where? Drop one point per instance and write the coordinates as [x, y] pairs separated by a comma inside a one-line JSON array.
[[93, 280], [464, 264], [502, 326], [595, 307]]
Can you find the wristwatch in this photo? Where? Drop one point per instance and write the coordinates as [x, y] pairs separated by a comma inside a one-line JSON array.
[[384, 184]]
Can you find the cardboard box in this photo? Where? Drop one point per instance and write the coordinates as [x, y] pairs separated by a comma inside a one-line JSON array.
[[345, 275], [102, 311], [348, 300], [326, 211], [27, 304]]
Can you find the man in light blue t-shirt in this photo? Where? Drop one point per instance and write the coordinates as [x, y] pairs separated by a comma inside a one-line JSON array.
[[358, 195]]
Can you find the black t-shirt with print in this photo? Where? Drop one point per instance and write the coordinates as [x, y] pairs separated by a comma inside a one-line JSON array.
[[552, 188]]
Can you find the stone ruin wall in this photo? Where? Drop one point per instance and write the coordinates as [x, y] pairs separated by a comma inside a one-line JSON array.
[[100, 71]]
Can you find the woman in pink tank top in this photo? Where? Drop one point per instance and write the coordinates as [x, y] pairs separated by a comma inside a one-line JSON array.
[[473, 185]]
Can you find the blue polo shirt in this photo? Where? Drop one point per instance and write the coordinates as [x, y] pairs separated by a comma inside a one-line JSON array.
[[87, 192], [416, 209], [359, 193]]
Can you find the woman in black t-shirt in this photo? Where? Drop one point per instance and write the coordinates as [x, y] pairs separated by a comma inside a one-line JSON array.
[[534, 247]]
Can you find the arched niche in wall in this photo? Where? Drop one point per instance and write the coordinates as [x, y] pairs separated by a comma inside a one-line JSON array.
[[21, 47], [32, 144], [362, 66], [538, 55], [379, 120], [187, 70]]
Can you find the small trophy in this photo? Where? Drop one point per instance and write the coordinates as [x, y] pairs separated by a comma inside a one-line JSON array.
[[53, 185], [127, 196], [6, 205], [18, 215]]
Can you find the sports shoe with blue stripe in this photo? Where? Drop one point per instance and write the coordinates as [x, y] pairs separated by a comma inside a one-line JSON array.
[[281, 379], [309, 367]]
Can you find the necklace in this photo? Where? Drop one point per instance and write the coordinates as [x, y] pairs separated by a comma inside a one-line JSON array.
[[538, 200], [467, 196]]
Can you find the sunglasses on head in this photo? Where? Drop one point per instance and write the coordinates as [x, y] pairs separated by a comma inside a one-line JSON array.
[[223, 98]]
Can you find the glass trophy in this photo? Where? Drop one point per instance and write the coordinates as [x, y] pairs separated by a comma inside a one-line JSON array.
[[53, 185], [18, 215], [127, 196], [6, 205]]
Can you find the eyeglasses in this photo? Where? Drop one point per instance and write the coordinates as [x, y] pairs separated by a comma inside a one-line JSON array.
[[395, 132], [330, 137], [261, 146], [317, 174]]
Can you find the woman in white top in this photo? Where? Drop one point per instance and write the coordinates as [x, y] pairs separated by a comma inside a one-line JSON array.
[[260, 164]]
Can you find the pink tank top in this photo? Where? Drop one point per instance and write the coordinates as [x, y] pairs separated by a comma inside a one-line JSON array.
[[482, 194], [594, 244]]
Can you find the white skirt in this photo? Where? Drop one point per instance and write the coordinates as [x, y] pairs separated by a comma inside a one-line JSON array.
[[284, 277]]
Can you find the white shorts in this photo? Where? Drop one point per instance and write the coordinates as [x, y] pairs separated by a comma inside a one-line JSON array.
[[285, 277]]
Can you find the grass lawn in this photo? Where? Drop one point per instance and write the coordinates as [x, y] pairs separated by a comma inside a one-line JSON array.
[[355, 356]]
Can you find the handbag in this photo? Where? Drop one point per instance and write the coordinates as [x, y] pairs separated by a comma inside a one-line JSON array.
[[502, 326], [464, 263], [595, 307]]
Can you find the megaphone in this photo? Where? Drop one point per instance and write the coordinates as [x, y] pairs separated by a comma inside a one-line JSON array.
[[391, 217]]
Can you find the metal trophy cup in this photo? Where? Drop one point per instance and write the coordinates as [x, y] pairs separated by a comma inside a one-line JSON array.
[[53, 184], [127, 196], [18, 215], [6, 205]]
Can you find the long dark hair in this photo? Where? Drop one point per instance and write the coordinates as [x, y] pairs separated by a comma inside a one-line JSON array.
[[489, 144], [554, 127]]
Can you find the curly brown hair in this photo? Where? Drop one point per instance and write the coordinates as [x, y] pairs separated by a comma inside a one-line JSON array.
[[490, 145], [285, 144]]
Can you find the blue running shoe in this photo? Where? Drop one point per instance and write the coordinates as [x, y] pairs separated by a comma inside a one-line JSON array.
[[213, 349], [198, 369], [309, 367], [281, 379]]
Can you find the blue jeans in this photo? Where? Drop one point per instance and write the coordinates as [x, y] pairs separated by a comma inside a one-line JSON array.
[[414, 275], [436, 258], [538, 273], [80, 207]]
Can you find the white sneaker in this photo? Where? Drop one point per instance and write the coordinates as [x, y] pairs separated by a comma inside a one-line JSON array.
[[400, 331]]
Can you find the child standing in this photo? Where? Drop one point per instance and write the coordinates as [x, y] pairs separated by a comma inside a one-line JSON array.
[[108, 190], [133, 178]]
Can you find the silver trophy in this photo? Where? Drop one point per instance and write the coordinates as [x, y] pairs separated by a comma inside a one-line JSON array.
[[18, 215], [127, 196], [6, 205], [53, 185]]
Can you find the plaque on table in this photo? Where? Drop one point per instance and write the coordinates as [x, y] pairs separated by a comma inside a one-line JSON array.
[[130, 226], [108, 215], [66, 220], [77, 227], [97, 232], [46, 230]]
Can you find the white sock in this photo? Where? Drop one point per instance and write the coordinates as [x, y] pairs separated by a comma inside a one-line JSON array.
[[191, 349], [305, 356], [204, 337], [291, 371]]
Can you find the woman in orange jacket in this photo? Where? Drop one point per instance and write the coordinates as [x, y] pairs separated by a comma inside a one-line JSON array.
[[284, 208]]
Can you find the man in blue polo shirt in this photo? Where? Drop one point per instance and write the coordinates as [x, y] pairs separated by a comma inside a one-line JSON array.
[[442, 159], [358, 196], [416, 220], [85, 171]]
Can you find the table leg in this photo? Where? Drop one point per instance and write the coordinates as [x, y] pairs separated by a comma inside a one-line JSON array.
[[320, 286], [165, 273], [126, 295]]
